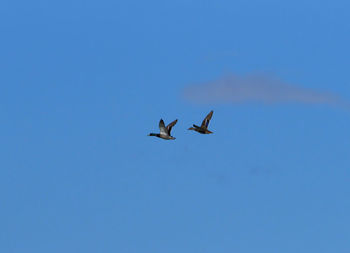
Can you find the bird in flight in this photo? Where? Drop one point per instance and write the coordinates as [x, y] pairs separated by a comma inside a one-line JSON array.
[[164, 132], [203, 129]]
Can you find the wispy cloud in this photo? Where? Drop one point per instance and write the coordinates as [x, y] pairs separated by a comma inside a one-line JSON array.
[[258, 88]]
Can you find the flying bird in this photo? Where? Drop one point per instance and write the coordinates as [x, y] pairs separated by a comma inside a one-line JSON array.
[[164, 132], [203, 129]]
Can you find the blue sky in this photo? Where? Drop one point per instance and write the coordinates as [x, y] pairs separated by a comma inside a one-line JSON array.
[[84, 82]]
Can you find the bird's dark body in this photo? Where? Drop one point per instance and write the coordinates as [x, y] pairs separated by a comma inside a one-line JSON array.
[[200, 129]]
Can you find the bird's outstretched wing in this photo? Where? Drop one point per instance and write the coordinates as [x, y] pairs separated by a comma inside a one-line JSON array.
[[162, 129], [205, 122], [170, 126]]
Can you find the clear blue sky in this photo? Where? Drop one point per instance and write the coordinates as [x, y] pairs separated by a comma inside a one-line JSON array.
[[83, 82]]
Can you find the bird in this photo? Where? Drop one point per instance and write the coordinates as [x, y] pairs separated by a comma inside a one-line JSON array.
[[164, 132], [203, 129]]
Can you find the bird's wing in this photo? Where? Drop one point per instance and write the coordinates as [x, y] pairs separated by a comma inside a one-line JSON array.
[[205, 122], [170, 126], [162, 128]]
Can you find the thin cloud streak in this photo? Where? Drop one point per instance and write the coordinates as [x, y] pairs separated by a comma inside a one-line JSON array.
[[258, 88]]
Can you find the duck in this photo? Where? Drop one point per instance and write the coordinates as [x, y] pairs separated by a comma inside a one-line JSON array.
[[203, 129], [164, 132]]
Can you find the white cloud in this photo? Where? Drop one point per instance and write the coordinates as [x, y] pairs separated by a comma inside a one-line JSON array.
[[258, 88]]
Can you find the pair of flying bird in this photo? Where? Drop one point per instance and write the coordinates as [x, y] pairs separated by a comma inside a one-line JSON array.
[[164, 132]]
